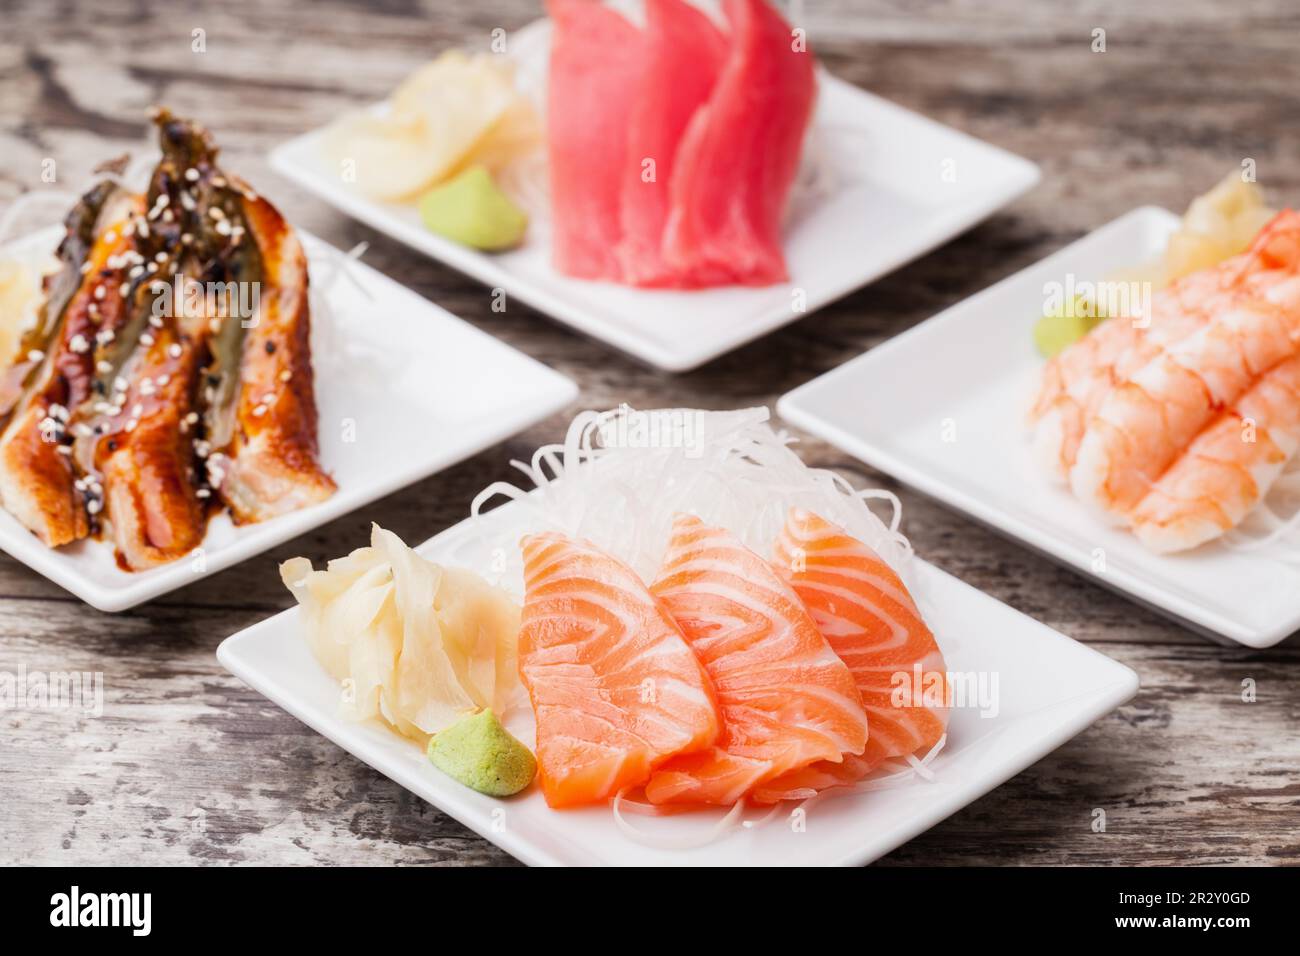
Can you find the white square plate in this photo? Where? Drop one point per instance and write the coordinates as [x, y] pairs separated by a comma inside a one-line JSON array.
[[1049, 688], [968, 374], [404, 389], [896, 204]]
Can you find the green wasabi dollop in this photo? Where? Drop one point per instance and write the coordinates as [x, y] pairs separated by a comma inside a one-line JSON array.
[[471, 210], [1065, 326], [480, 753]]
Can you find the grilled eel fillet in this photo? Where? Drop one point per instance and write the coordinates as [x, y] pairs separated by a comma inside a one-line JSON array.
[[178, 403], [273, 463], [148, 449], [38, 484]]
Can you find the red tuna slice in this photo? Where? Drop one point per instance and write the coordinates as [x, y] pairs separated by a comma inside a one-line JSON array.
[[739, 156], [595, 75], [684, 55]]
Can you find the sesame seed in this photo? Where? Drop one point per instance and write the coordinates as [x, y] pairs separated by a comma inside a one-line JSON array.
[[174, 350], [35, 355], [192, 175]]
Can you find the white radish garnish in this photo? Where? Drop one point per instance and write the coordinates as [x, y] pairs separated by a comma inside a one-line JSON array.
[[620, 476]]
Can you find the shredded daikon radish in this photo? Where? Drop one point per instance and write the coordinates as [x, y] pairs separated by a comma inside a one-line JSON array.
[[728, 824], [620, 476], [1273, 526]]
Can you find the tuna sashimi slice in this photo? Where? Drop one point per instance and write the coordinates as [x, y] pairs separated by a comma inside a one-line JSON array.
[[595, 75], [864, 610], [614, 686], [739, 156], [684, 53], [786, 700]]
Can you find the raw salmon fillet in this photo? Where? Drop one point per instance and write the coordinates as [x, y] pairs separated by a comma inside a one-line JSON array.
[[595, 76], [786, 700], [864, 610], [615, 687], [739, 156], [684, 53]]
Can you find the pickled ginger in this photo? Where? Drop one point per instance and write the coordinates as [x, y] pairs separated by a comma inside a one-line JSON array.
[[414, 644]]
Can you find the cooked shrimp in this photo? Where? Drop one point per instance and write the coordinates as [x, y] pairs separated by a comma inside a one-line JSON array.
[[1147, 421], [1227, 469], [1075, 382]]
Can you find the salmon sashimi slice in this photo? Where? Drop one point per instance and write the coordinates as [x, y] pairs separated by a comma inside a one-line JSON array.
[[1146, 422], [785, 698], [739, 156], [865, 612], [684, 53], [614, 686], [595, 73]]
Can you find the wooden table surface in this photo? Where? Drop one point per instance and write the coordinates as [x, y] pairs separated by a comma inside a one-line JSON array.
[[189, 765]]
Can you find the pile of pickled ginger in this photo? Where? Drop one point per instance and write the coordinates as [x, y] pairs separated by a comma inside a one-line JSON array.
[[413, 643]]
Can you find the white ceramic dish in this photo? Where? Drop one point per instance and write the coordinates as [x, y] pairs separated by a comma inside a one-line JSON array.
[[941, 407], [1048, 688], [908, 185], [404, 389]]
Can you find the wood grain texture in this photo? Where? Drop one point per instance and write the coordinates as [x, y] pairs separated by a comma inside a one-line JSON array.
[[189, 765]]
